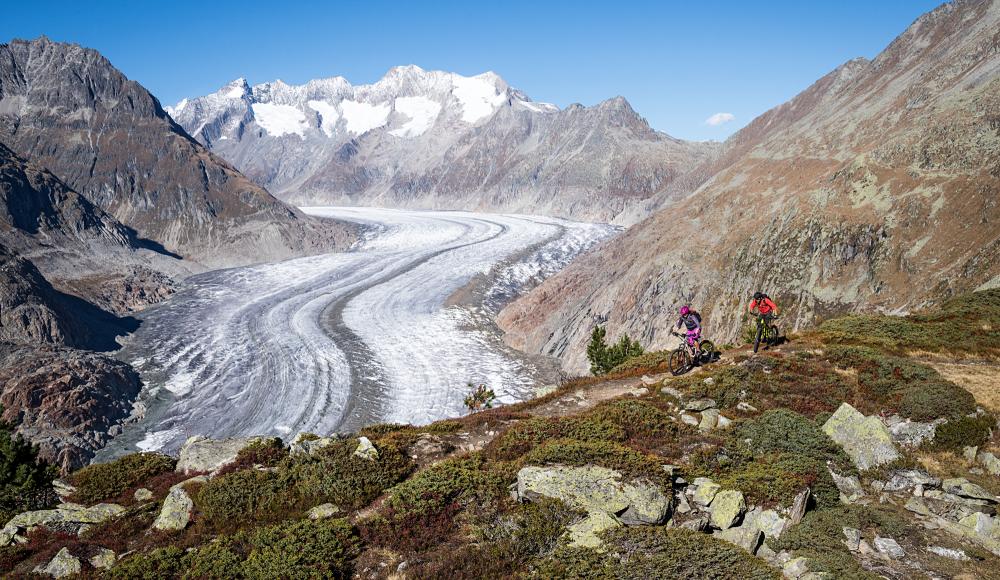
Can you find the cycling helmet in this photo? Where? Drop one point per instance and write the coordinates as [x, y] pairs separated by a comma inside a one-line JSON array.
[[685, 310], [757, 295]]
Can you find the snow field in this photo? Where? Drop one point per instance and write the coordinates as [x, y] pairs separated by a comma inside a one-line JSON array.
[[280, 120], [422, 113], [328, 116], [478, 97], [362, 117]]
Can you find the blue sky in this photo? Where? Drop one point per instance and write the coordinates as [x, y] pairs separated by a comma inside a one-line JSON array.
[[677, 63]]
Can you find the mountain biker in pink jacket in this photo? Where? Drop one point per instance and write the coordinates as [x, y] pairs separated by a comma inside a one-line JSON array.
[[692, 323]]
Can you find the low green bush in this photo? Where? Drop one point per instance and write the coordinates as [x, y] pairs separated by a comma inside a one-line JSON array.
[[784, 431], [649, 361], [725, 388], [442, 427], [531, 433], [965, 432], [163, 563], [640, 421], [266, 452], [336, 475], [656, 552], [106, 481], [776, 480], [383, 429], [242, 496]]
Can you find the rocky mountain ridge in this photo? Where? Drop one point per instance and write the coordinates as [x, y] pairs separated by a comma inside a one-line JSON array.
[[435, 140], [873, 190]]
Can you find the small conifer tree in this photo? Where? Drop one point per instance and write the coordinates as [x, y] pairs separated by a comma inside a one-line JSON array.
[[23, 476], [603, 358]]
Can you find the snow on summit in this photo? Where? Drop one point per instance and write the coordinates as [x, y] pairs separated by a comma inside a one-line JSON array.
[[478, 97], [280, 120]]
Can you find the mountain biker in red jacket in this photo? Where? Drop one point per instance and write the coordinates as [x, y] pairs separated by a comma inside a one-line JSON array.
[[689, 320], [767, 310]]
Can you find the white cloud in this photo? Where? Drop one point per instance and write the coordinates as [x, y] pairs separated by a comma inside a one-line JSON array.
[[719, 119]]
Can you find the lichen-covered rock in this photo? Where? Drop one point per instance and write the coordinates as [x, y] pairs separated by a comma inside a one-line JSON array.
[[917, 506], [545, 390], [67, 513], [769, 522], [689, 419], [747, 537], [104, 559], [889, 547], [795, 568], [726, 508], [176, 511], [62, 488], [7, 534], [584, 533], [203, 454], [366, 449], [980, 523], [865, 439], [62, 565], [949, 553], [970, 453], [709, 419], [990, 462], [853, 541], [322, 512], [963, 487], [143, 494], [798, 509], [699, 405], [707, 489], [596, 489], [308, 443], [849, 486], [912, 433]]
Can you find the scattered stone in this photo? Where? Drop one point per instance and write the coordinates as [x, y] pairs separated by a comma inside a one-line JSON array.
[[746, 407], [7, 535], [648, 380], [889, 547], [795, 568], [853, 541], [62, 565], [866, 550], [709, 381], [709, 419], [176, 511], [723, 422], [798, 510], [366, 449], [665, 390], [683, 507], [979, 523], [771, 523], [699, 405], [918, 490], [203, 454], [847, 485], [63, 488], [584, 533], [308, 443], [143, 494], [865, 439], [71, 514], [970, 454], [976, 471], [747, 537], [990, 462], [596, 489], [726, 509], [706, 492], [912, 433], [698, 525], [323, 511], [963, 487], [546, 389], [689, 419], [104, 559], [949, 553], [768, 555], [919, 507]]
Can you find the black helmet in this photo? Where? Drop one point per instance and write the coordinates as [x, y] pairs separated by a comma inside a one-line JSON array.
[[757, 295]]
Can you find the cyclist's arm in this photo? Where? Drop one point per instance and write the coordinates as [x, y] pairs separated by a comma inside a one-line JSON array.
[[771, 304]]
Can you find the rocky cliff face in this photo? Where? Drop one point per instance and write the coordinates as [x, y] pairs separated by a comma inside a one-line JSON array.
[[67, 401], [429, 139], [67, 109], [874, 190]]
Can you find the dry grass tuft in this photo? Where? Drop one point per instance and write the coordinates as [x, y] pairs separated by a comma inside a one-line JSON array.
[[983, 381]]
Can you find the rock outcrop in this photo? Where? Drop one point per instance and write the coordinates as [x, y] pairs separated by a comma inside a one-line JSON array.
[[203, 454], [865, 439]]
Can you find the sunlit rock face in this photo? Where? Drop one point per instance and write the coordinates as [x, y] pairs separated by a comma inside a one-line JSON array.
[[436, 140], [875, 189]]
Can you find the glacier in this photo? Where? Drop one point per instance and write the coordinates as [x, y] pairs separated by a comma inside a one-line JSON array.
[[391, 331]]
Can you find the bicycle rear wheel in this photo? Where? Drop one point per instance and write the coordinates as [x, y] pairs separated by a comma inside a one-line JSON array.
[[680, 361], [707, 348], [773, 339]]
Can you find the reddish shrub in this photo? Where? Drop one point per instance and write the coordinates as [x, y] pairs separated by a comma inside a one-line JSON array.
[[409, 529]]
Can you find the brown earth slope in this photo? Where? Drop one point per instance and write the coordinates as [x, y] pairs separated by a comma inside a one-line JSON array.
[[873, 190]]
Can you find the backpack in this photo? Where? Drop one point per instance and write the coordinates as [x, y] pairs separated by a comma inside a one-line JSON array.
[[696, 316]]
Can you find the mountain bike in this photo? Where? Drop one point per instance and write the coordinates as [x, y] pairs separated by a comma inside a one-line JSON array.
[[765, 333], [686, 355]]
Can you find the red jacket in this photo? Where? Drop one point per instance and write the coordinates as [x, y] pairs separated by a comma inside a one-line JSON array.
[[764, 305]]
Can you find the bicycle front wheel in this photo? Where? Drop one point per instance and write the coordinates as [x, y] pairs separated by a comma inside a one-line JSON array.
[[680, 362], [774, 335], [707, 348]]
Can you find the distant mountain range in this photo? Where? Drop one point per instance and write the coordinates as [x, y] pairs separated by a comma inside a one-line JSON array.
[[436, 140]]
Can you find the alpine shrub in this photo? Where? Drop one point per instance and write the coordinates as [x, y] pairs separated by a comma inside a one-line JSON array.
[[629, 462], [23, 476], [242, 496], [163, 563], [965, 432], [776, 480], [784, 431], [106, 481], [267, 453]]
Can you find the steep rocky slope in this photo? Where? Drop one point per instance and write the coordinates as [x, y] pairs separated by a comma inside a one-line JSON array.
[[873, 190], [429, 139], [64, 107]]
